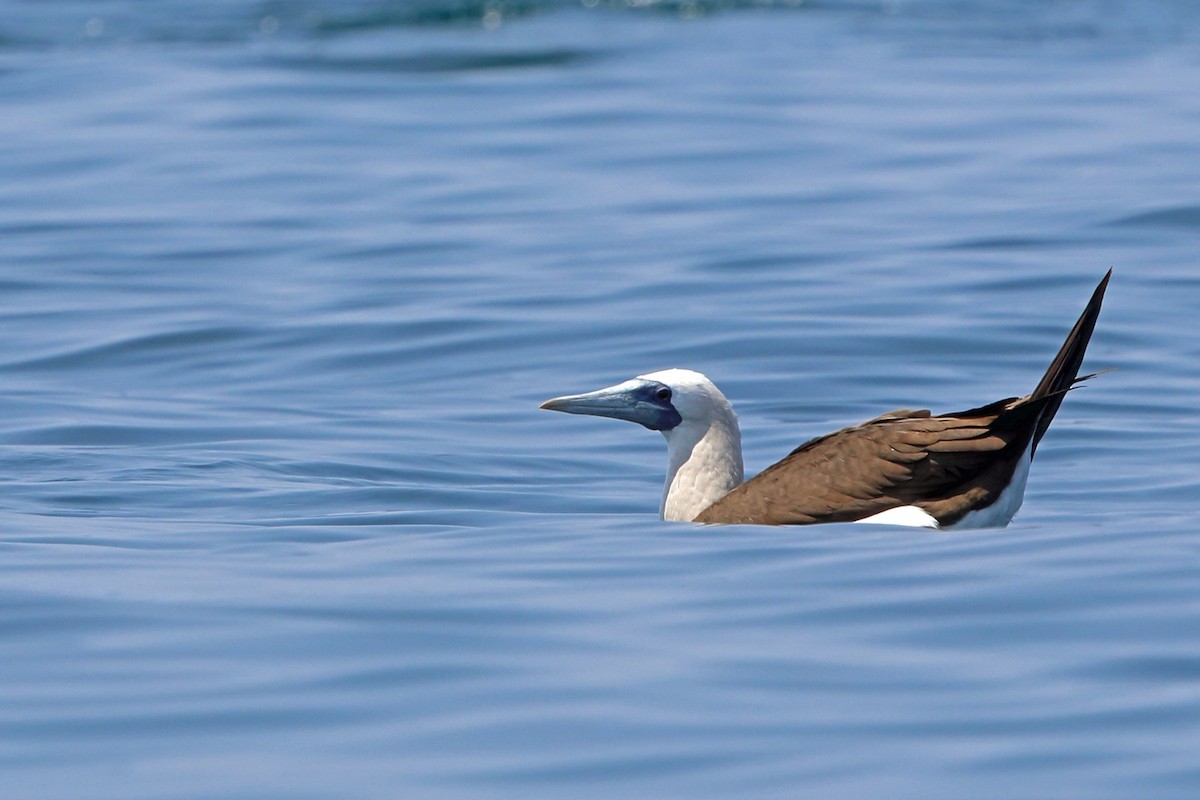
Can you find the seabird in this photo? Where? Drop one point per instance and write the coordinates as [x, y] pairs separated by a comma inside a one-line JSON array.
[[965, 469]]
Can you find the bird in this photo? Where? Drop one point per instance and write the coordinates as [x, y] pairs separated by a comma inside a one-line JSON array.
[[965, 469]]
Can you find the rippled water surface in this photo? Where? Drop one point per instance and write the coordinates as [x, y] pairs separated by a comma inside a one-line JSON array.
[[282, 283]]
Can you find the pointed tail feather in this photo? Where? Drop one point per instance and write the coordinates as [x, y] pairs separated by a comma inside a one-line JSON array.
[[1061, 375]]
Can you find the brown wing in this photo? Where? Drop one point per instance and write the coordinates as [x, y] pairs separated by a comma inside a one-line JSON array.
[[945, 464]]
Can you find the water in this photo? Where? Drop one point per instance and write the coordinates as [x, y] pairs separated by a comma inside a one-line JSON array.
[[284, 282]]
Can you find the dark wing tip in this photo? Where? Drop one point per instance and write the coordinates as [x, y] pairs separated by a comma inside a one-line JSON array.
[[1062, 372]]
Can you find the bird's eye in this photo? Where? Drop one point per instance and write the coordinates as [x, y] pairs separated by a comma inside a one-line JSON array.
[[663, 394]]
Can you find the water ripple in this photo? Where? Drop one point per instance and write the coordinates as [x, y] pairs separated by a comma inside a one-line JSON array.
[[281, 288]]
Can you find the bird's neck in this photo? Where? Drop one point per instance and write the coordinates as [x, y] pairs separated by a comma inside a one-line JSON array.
[[704, 462]]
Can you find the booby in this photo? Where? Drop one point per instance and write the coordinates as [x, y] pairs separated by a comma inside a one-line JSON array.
[[965, 469]]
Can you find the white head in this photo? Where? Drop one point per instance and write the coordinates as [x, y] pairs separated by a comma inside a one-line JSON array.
[[704, 445]]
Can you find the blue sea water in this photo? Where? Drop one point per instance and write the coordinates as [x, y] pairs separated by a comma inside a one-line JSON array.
[[282, 284]]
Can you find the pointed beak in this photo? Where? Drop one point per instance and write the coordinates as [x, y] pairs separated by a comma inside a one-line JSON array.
[[632, 401], [618, 402]]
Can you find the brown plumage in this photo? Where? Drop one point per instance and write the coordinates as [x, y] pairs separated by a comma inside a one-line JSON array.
[[947, 465]]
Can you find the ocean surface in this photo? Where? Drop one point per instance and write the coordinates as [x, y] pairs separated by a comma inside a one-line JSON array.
[[282, 284]]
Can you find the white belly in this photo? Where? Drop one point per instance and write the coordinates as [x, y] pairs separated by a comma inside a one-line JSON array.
[[912, 516]]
